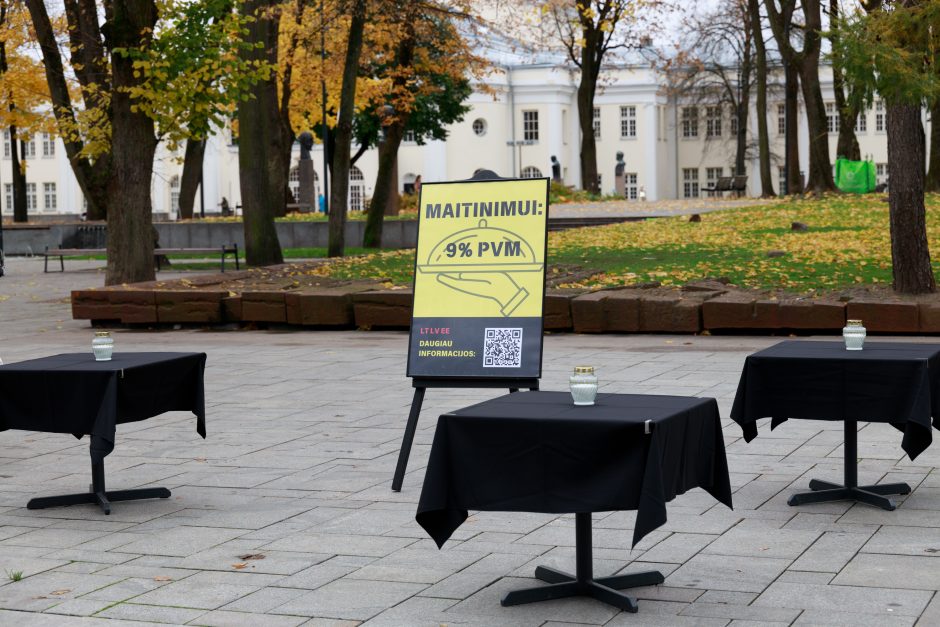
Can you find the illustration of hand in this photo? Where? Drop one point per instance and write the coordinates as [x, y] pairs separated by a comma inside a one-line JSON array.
[[497, 286]]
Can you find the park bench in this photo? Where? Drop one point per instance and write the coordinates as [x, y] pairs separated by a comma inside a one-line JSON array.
[[158, 254], [723, 184], [739, 185]]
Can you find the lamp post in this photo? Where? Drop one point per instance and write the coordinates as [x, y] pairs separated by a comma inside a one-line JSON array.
[[520, 143], [325, 131]]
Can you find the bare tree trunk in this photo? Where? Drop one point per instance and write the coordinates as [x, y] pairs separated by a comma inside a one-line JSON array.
[[133, 143], [820, 165], [590, 70], [763, 141], [384, 184], [20, 210], [847, 145], [88, 54], [791, 96], [259, 143], [744, 105], [932, 183], [910, 256], [192, 173], [343, 133]]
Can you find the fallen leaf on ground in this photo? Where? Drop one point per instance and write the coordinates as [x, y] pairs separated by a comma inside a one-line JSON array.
[[162, 578], [251, 556], [61, 592], [239, 566]]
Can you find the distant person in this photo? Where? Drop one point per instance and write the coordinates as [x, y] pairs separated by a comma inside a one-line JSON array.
[[418, 185], [226, 210]]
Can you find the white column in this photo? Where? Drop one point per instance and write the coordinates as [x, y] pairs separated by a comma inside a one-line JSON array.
[[435, 163], [648, 136], [553, 136]]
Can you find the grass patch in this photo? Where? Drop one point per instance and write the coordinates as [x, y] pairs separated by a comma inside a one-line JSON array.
[[848, 243], [14, 575]]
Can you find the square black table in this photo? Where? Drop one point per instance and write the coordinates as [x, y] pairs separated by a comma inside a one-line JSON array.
[[75, 394], [537, 452], [893, 382]]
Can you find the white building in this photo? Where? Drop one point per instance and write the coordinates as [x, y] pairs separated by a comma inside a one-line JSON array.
[[671, 149]]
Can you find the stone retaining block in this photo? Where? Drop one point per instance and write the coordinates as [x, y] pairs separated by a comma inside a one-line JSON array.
[[327, 307], [670, 314], [263, 306], [93, 305], [183, 306], [885, 317], [388, 309], [134, 306], [587, 313]]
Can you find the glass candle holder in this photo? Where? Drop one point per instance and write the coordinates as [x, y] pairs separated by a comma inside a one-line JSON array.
[[102, 346], [583, 385], [854, 335]]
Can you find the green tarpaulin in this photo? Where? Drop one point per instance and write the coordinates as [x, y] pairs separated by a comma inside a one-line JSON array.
[[857, 177]]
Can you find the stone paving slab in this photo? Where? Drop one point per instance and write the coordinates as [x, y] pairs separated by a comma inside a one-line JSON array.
[[284, 515]]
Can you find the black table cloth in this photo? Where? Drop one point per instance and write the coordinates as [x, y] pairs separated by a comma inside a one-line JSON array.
[[537, 452], [892, 382], [889, 382], [73, 393]]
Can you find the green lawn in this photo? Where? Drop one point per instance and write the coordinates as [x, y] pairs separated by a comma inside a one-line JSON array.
[[848, 243]]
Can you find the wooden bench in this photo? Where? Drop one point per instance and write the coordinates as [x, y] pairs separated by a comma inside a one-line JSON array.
[[158, 254], [739, 186], [723, 184]]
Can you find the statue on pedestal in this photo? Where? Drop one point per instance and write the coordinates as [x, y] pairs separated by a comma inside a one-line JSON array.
[[306, 194], [619, 183], [556, 169]]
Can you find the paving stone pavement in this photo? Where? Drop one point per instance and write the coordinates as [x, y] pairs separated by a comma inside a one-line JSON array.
[[304, 430]]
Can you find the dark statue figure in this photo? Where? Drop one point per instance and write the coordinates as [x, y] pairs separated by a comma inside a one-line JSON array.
[[556, 169], [618, 171], [306, 144]]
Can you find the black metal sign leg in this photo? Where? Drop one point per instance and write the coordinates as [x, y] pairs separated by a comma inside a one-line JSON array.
[[826, 491], [407, 440], [582, 583]]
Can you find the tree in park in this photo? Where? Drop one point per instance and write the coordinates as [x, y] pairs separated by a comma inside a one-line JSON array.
[[761, 77], [805, 62], [426, 72], [23, 94], [716, 68], [125, 98], [590, 31], [891, 52]]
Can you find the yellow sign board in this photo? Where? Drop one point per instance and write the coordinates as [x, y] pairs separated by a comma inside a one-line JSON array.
[[479, 279]]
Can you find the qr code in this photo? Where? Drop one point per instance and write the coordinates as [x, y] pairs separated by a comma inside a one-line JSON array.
[[502, 348]]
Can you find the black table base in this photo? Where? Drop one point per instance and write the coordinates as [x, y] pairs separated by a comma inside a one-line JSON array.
[[606, 589], [824, 491], [97, 494]]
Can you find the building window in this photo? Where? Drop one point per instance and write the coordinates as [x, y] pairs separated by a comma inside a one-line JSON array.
[[881, 173], [690, 121], [48, 146], [8, 188], [31, 200], [861, 122], [879, 116], [711, 179], [713, 121], [530, 125], [175, 194], [782, 179], [630, 189], [531, 172], [479, 127], [733, 117], [596, 122], [781, 119], [293, 183], [357, 192], [28, 148], [690, 182], [832, 118], [49, 196], [409, 136], [627, 122], [6, 144]]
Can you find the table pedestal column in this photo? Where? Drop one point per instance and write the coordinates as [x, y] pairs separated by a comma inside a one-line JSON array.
[[825, 491], [97, 494], [582, 583]]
